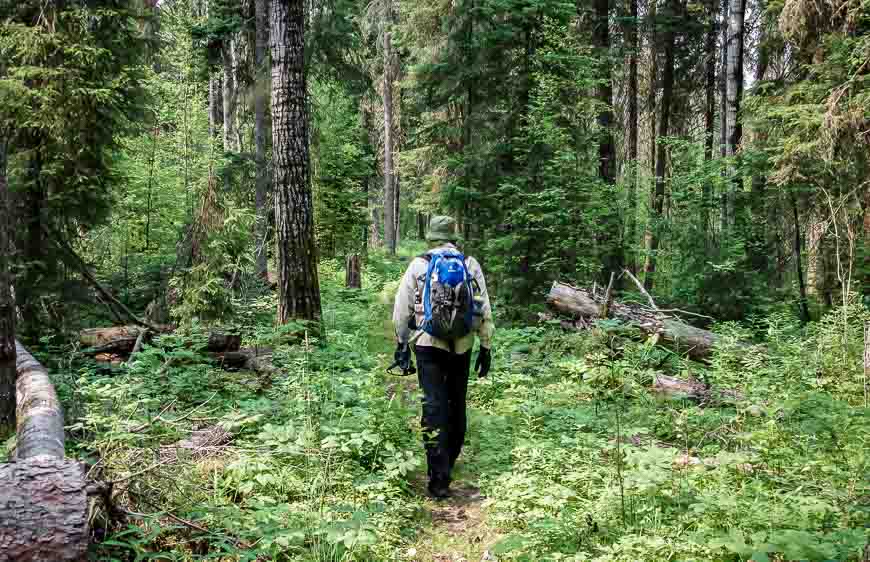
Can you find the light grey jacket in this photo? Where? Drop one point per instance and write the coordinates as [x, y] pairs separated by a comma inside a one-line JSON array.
[[409, 303]]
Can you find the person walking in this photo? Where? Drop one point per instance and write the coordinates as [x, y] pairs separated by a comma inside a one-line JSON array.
[[441, 305]]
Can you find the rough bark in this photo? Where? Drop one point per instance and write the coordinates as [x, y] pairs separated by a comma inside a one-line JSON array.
[[734, 96], [631, 223], [122, 339], [262, 192], [390, 215], [581, 304], [658, 195], [298, 287], [43, 511], [7, 306], [353, 272]]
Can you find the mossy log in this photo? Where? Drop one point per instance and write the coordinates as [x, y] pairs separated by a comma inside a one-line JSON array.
[[583, 304], [43, 497], [122, 340]]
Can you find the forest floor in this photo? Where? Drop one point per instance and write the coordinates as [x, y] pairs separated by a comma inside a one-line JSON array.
[[569, 455]]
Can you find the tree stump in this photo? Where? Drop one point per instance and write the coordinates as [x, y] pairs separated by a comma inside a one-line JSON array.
[[353, 272]]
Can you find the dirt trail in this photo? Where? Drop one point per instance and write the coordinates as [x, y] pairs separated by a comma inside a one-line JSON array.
[[457, 531]]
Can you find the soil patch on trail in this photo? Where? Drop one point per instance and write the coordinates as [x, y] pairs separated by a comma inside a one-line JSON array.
[[458, 532], [461, 513]]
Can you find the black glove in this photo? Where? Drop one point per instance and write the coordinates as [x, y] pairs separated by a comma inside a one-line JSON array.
[[484, 361], [402, 359]]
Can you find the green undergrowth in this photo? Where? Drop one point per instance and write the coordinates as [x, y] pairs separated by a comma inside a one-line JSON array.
[[576, 457]]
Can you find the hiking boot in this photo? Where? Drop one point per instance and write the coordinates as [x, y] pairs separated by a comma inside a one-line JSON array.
[[439, 489]]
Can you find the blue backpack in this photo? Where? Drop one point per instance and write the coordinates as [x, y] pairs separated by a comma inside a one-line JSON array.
[[448, 296]]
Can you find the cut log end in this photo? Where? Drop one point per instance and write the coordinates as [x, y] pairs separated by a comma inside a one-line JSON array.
[[43, 511]]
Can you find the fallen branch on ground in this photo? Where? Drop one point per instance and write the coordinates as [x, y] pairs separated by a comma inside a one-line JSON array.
[[582, 305]]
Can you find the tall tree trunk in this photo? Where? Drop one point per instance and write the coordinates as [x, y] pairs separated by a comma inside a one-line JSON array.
[[229, 97], [613, 258], [34, 199], [298, 285], [658, 198], [760, 246], [799, 270], [390, 216], [653, 82], [734, 95], [709, 107], [262, 191], [7, 306], [215, 106], [421, 226], [723, 114], [652, 12], [631, 223], [215, 99]]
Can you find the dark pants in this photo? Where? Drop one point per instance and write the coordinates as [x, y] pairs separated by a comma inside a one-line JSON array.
[[444, 379]]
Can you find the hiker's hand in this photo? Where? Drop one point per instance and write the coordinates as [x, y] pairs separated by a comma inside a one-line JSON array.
[[484, 361], [402, 358]]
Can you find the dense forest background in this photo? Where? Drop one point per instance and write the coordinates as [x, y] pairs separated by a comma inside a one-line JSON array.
[[719, 151], [186, 166]]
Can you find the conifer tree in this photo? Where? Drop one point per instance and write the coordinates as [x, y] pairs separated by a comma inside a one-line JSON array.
[[298, 285]]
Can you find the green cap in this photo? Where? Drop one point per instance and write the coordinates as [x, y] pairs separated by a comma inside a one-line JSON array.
[[442, 228]]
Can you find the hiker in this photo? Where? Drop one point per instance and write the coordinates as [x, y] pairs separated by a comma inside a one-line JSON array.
[[441, 304]]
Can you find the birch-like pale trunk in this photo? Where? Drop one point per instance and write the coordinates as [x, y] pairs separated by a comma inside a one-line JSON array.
[[734, 96]]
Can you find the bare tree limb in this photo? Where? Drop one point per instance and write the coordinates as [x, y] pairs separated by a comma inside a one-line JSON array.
[[80, 264], [643, 291]]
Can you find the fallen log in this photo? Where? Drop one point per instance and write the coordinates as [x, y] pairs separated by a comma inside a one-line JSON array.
[[693, 390], [259, 361], [122, 339], [582, 305], [43, 496]]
